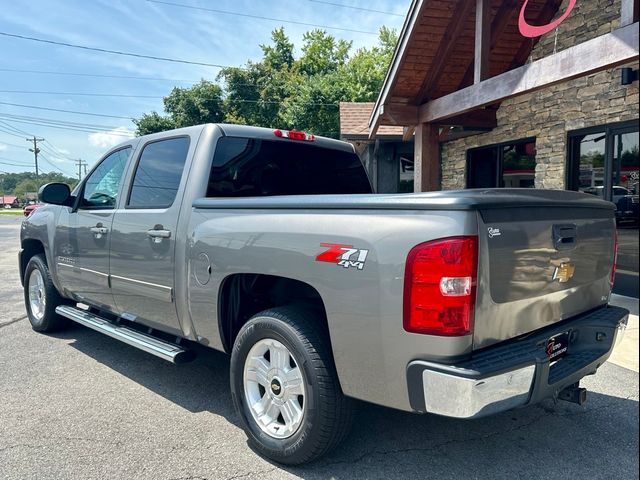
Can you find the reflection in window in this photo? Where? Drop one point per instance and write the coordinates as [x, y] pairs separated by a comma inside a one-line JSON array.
[[158, 174], [101, 188], [591, 151], [406, 175], [519, 165], [246, 167], [509, 165]]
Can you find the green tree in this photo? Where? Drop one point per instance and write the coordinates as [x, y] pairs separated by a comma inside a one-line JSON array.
[[200, 103], [281, 90]]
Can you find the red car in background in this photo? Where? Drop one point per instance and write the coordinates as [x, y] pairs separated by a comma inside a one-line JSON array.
[[30, 208]]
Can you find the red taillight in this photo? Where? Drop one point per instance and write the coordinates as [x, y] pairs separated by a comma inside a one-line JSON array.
[[615, 257], [294, 135], [440, 287]]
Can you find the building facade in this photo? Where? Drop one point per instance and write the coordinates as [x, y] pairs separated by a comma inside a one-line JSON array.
[[558, 110]]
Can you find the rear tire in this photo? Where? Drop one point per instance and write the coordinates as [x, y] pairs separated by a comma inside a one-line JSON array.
[[285, 387], [41, 297]]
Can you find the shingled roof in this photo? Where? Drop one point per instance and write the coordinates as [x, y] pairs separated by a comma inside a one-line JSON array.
[[354, 122]]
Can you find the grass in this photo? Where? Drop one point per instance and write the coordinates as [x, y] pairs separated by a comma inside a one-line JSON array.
[[11, 211]]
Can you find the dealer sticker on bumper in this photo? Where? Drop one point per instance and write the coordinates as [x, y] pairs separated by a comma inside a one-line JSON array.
[[557, 346]]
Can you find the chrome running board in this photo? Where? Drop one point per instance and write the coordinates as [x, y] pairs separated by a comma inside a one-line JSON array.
[[155, 346]]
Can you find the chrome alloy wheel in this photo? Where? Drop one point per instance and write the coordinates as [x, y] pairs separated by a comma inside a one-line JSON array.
[[274, 388], [37, 294]]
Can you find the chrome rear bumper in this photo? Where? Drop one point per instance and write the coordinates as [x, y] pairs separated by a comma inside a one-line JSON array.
[[517, 372]]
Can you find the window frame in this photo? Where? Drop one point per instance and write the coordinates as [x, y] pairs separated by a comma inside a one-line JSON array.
[[80, 195], [500, 157], [127, 206], [572, 163]]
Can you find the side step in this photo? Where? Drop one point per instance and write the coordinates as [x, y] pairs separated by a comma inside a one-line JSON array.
[[155, 346]]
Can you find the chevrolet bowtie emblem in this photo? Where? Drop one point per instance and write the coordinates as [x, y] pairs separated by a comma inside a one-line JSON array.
[[564, 272]]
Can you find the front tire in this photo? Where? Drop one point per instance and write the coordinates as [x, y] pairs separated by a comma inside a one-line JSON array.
[[285, 388], [41, 297]]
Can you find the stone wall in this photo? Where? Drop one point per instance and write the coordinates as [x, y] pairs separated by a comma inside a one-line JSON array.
[[549, 114]]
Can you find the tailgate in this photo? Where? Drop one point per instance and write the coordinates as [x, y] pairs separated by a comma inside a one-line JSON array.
[[539, 265]]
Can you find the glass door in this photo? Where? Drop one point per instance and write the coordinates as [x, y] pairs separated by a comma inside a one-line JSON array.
[[624, 193], [603, 161]]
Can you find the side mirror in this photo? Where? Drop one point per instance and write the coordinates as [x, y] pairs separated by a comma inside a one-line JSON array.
[[55, 193]]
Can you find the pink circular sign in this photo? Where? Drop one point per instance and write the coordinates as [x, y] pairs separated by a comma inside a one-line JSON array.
[[532, 31]]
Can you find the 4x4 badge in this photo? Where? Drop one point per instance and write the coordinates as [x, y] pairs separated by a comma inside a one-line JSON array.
[[344, 255]]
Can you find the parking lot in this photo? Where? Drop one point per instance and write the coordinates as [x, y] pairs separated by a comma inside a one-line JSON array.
[[81, 405]]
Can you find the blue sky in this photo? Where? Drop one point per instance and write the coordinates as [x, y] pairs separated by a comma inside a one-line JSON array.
[[143, 27]]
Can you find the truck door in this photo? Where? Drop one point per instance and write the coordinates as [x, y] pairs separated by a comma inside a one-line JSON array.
[[83, 233], [144, 236]]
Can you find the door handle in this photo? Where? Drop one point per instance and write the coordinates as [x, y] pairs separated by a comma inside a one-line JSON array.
[[158, 234], [565, 236], [98, 230]]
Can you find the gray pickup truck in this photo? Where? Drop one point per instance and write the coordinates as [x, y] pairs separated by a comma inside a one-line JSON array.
[[270, 245]]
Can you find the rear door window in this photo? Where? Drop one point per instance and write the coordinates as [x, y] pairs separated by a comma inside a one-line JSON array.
[[247, 167], [158, 173]]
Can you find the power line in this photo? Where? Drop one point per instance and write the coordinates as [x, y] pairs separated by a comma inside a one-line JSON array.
[[3, 130], [57, 121], [260, 17], [358, 8], [121, 95], [50, 163], [12, 163], [11, 144], [72, 129], [65, 111], [15, 129], [113, 52], [97, 75], [60, 152], [239, 100]]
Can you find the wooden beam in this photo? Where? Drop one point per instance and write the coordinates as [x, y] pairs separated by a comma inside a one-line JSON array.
[[484, 118], [407, 133], [443, 54], [413, 17], [500, 21], [427, 159], [600, 53], [482, 40], [395, 114]]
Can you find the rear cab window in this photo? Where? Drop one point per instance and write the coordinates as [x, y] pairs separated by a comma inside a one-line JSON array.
[[249, 167]]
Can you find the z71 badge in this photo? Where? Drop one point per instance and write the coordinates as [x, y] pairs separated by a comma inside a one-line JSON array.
[[344, 255]]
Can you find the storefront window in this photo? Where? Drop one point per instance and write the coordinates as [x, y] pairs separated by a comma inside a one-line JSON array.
[[603, 161], [508, 165]]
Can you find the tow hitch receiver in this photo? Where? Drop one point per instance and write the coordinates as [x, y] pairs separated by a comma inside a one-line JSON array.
[[574, 394]]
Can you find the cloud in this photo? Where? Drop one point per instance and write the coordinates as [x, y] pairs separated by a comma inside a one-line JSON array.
[[2, 147], [109, 138]]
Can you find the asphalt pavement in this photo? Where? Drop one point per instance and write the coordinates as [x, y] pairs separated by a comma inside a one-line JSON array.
[[81, 405]]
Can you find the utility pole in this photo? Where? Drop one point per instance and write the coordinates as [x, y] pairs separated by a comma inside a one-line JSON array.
[[82, 165], [35, 151]]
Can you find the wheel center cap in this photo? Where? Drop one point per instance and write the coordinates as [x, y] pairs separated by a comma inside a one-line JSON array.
[[276, 387]]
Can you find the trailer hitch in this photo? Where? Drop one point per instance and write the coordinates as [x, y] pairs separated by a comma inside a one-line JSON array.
[[574, 394]]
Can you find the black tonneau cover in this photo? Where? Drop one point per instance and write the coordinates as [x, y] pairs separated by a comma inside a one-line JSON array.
[[471, 199]]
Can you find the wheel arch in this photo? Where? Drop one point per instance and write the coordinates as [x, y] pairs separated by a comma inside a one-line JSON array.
[[30, 248], [243, 295]]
